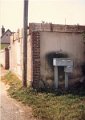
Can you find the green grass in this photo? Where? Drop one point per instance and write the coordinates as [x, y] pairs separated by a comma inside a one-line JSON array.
[[48, 106], [2, 46], [1, 65]]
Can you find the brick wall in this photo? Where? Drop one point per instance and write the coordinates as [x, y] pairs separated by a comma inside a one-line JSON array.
[[36, 58]]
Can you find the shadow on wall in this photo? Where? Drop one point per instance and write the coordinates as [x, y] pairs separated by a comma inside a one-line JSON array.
[[83, 69], [49, 59], [49, 81], [50, 56]]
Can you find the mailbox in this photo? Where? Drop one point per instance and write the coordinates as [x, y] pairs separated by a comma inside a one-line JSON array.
[[62, 62], [68, 69], [67, 63]]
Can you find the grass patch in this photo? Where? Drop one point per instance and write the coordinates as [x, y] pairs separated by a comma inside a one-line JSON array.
[[4, 46], [47, 106], [1, 65]]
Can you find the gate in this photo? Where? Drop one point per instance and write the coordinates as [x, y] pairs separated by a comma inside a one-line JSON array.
[[6, 58]]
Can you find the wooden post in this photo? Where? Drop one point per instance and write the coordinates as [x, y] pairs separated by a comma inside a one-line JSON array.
[[24, 76]]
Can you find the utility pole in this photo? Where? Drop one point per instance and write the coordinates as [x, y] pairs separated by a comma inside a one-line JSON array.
[[25, 25]]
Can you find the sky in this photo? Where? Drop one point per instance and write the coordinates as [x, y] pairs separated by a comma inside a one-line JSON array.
[[53, 11]]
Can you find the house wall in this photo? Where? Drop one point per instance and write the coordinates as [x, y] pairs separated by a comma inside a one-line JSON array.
[[6, 38]]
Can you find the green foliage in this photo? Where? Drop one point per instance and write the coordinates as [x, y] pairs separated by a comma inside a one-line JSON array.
[[2, 46], [12, 80], [47, 106], [1, 65]]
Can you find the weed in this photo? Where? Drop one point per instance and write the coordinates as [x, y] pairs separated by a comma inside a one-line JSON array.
[[47, 106]]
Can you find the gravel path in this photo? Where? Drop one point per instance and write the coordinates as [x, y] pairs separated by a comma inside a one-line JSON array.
[[10, 109]]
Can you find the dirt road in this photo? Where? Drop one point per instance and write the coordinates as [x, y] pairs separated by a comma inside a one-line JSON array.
[[10, 109]]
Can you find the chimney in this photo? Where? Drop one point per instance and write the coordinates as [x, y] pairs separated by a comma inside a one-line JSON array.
[[2, 30]]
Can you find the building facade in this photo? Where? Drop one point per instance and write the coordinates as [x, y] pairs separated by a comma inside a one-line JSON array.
[[45, 42], [5, 37]]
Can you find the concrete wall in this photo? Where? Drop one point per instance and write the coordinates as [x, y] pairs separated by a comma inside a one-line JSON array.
[[65, 42], [29, 60], [16, 55], [48, 38]]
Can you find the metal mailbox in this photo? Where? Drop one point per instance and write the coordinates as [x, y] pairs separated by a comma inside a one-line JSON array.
[[62, 62], [67, 63], [68, 69]]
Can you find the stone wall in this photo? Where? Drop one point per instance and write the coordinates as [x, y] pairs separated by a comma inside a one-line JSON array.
[[5, 39]]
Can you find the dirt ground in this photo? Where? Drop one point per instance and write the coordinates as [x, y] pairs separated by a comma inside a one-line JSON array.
[[10, 109]]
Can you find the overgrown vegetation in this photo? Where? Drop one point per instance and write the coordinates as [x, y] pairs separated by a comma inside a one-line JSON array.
[[48, 106]]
